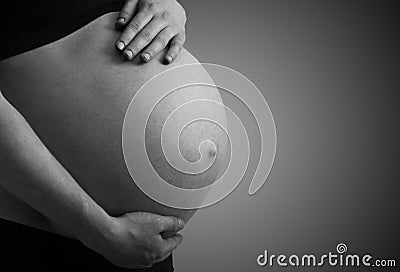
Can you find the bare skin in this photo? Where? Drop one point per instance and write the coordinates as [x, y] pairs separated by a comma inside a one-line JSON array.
[[31, 173], [149, 26], [61, 119]]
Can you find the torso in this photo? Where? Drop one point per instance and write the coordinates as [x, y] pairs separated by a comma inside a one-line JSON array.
[[74, 93]]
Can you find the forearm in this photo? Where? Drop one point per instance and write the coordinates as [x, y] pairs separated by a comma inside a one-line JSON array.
[[29, 171]]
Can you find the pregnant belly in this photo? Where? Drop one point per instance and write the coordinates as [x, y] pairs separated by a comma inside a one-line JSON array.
[[75, 93]]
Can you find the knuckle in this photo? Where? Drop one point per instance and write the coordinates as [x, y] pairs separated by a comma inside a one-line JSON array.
[[161, 41], [159, 222], [154, 256], [150, 257], [147, 257], [151, 6], [146, 261], [165, 15], [134, 26], [145, 34]]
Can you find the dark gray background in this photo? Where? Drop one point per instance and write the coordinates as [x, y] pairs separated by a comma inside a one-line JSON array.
[[330, 72]]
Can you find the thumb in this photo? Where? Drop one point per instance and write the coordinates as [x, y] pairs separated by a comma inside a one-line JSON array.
[[170, 224], [171, 243]]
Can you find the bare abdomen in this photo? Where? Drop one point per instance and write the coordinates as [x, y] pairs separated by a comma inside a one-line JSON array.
[[75, 92]]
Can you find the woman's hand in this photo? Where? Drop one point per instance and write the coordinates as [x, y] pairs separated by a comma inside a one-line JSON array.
[[30, 172], [149, 26], [136, 239]]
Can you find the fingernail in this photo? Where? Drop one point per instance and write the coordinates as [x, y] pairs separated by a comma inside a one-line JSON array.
[[169, 59], [181, 223], [129, 54], [121, 20], [120, 45], [146, 57]]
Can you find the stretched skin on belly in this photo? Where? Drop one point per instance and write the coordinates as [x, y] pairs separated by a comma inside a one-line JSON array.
[[75, 92]]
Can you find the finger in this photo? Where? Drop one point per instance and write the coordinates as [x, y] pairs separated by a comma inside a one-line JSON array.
[[157, 44], [170, 224], [174, 48], [167, 234], [133, 28], [143, 38], [171, 243], [126, 13]]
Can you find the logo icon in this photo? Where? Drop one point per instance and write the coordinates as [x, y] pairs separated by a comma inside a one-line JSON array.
[[341, 248]]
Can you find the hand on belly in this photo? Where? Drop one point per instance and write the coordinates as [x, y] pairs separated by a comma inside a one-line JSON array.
[[75, 93]]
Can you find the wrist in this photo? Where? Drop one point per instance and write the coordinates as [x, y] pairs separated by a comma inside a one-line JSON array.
[[94, 224]]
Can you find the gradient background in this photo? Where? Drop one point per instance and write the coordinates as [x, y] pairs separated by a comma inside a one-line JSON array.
[[330, 72]]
